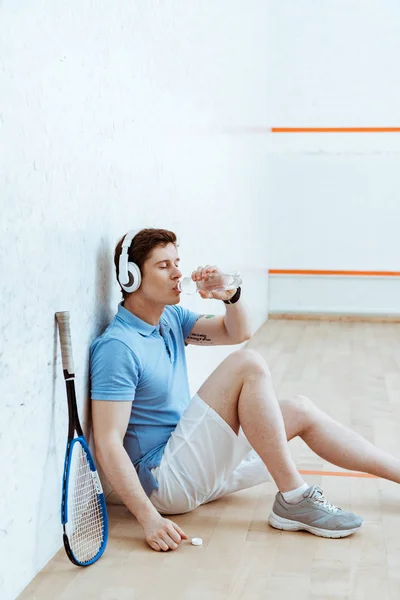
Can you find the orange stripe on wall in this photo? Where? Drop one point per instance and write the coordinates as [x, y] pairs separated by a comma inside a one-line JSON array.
[[335, 130], [323, 272], [337, 474]]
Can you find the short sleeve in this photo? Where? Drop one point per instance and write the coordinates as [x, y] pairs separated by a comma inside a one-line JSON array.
[[187, 319], [114, 371]]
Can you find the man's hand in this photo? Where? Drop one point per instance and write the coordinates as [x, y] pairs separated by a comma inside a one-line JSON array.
[[202, 274], [162, 534]]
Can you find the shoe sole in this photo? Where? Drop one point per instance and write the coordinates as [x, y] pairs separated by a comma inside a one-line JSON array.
[[289, 525]]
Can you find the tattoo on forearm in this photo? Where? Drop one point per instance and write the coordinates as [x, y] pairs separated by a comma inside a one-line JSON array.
[[200, 338]]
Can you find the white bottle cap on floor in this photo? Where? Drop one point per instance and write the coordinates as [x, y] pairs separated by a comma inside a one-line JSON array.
[[197, 541]]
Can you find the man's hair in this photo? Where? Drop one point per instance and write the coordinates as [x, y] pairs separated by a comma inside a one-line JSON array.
[[141, 247]]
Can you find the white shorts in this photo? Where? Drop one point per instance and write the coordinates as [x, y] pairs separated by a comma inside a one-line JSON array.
[[204, 460]]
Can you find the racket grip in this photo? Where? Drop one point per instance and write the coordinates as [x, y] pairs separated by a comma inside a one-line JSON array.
[[65, 341]]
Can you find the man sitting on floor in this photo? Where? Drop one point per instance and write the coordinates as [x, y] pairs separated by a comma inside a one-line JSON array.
[[165, 453]]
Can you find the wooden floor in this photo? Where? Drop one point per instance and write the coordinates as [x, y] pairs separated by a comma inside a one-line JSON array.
[[352, 370]]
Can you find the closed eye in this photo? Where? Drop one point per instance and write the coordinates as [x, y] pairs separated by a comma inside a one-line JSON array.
[[163, 264], [166, 266]]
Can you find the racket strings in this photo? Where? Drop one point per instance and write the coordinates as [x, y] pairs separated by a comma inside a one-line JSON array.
[[85, 516]]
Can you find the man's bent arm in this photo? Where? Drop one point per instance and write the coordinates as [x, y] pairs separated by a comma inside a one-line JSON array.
[[233, 328], [110, 421], [237, 321]]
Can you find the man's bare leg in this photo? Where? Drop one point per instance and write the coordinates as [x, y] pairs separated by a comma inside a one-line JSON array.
[[334, 442], [240, 390]]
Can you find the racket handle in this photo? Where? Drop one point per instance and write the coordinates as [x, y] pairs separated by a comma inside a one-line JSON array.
[[65, 341]]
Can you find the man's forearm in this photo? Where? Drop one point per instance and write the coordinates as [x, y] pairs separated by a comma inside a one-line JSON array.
[[122, 475], [237, 321]]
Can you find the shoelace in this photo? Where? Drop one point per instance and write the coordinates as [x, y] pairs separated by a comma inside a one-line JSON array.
[[318, 497]]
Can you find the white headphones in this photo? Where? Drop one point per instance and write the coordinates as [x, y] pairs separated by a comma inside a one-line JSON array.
[[129, 274]]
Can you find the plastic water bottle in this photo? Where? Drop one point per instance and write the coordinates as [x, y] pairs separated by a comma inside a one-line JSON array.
[[215, 282]]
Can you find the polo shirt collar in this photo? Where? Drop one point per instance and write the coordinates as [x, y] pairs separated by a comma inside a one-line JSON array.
[[142, 327]]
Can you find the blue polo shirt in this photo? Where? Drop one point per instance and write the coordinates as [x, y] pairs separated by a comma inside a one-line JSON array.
[[136, 362]]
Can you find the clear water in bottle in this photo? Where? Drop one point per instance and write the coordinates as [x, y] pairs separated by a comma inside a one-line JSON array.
[[215, 282]]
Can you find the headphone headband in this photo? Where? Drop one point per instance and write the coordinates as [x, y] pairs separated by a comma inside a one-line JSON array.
[[127, 241]]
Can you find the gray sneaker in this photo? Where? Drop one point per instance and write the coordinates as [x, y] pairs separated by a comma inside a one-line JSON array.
[[314, 514]]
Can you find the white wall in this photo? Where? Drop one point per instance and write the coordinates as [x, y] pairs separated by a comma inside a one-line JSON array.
[[334, 199], [111, 118]]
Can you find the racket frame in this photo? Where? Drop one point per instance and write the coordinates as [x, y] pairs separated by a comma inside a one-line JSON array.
[[74, 426]]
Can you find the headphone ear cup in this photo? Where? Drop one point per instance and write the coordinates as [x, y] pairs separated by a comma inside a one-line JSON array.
[[135, 278]]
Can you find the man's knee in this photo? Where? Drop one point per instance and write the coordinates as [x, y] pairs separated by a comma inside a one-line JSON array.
[[249, 361], [303, 406]]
